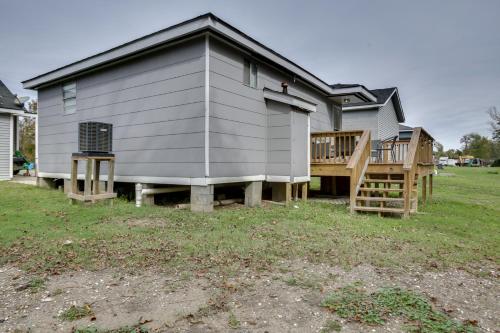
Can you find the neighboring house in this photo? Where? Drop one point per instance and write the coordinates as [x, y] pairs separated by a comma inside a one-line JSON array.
[[381, 117], [10, 109], [405, 132], [199, 103]]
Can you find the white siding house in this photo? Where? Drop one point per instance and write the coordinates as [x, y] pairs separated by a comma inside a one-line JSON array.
[[10, 109]]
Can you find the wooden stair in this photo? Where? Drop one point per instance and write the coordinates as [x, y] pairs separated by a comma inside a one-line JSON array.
[[383, 193]]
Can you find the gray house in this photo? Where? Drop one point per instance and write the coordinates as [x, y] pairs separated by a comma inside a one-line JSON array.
[[381, 117], [197, 104], [10, 109]]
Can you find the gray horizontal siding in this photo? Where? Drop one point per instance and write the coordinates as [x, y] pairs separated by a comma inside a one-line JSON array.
[[361, 120], [5, 158], [239, 116], [156, 106], [388, 124]]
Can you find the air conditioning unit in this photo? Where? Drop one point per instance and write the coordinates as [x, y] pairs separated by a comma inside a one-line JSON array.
[[95, 137]]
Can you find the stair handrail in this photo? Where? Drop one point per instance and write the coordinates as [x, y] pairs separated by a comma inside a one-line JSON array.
[[364, 144], [409, 168], [358, 165], [412, 149]]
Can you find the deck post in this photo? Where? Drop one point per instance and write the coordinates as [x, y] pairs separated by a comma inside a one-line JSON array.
[[407, 193], [305, 187], [424, 190], [282, 192], [430, 187], [96, 165], [328, 185], [253, 194], [352, 193], [87, 188]]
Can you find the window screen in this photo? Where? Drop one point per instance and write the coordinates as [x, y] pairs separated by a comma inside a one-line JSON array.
[[69, 97], [250, 74]]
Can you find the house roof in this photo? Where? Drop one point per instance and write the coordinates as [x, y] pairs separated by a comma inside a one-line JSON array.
[[196, 26], [404, 128], [344, 85], [9, 101], [383, 96]]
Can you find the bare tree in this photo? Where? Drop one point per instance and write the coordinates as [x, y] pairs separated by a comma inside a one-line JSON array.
[[27, 132], [495, 123], [466, 140]]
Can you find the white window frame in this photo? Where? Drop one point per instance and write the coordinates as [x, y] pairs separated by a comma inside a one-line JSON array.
[[250, 73], [69, 97]]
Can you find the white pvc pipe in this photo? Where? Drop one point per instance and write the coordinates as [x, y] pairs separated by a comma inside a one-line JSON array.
[[140, 191], [138, 195], [165, 190]]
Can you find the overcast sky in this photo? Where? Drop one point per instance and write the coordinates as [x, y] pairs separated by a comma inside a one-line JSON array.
[[444, 56]]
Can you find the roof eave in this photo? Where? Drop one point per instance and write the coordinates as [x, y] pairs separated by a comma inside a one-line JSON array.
[[128, 49], [359, 91], [362, 107], [399, 107], [207, 22], [12, 111]]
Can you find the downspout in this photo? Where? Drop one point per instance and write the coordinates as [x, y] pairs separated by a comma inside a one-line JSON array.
[[36, 146], [207, 106]]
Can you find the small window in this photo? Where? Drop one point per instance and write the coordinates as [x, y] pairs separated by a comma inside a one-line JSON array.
[[69, 97], [250, 74]]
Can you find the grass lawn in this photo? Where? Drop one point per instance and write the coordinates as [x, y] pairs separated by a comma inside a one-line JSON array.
[[41, 232]]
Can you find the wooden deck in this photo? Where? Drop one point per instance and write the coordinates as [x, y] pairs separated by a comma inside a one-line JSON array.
[[384, 184]]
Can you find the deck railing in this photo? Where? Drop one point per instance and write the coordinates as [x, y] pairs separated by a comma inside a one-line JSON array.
[[334, 147], [401, 149], [400, 152], [419, 152]]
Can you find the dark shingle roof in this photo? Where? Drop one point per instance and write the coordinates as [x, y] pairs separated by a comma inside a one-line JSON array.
[[7, 99], [383, 94], [344, 85]]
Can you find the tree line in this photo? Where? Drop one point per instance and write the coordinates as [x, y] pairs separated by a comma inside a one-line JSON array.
[[475, 144]]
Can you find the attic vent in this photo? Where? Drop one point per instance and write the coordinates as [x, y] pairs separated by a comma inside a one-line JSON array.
[[95, 137]]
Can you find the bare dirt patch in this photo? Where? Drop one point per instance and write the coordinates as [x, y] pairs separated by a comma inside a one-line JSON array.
[[284, 300]]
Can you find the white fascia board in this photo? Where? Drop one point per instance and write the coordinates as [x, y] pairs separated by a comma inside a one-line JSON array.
[[12, 111], [278, 179], [301, 179], [202, 181], [185, 180], [352, 91], [290, 100], [390, 97], [362, 107]]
